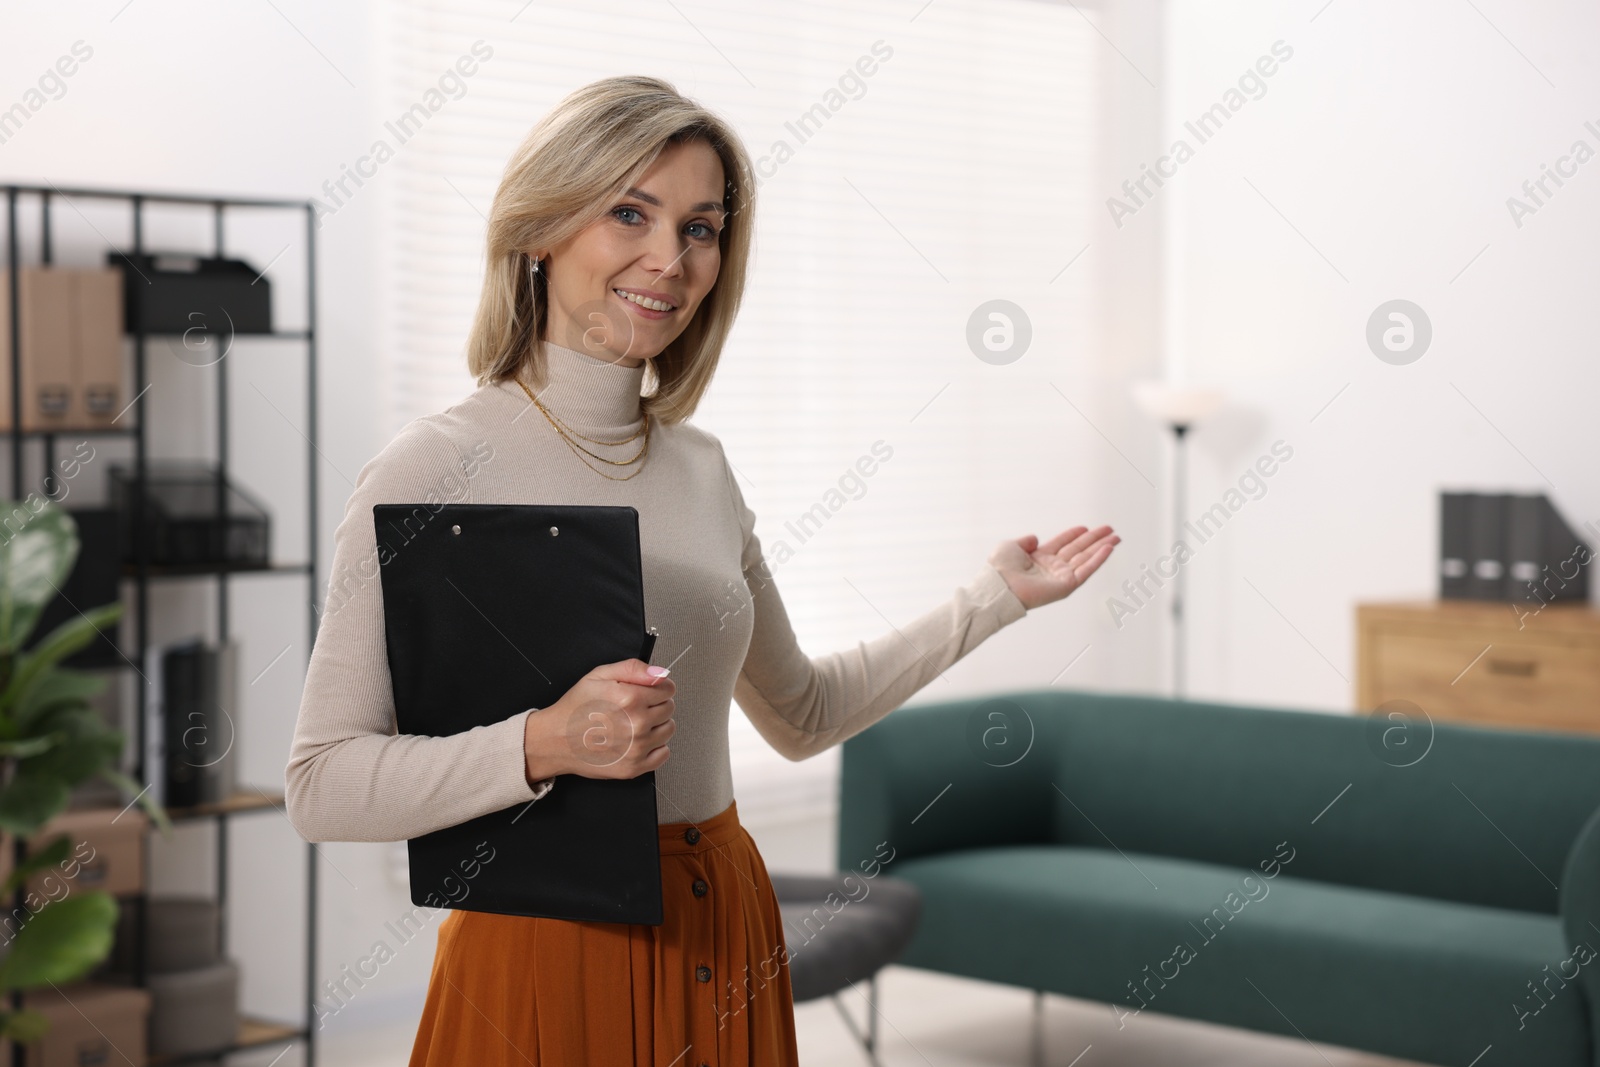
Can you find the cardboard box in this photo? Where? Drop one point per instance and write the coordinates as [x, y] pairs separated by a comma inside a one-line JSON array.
[[70, 324], [45, 301], [107, 853], [91, 1023], [97, 376]]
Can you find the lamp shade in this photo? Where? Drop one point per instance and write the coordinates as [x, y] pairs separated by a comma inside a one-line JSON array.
[[1178, 405]]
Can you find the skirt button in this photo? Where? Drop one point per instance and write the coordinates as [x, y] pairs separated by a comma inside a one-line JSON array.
[[692, 835], [700, 887]]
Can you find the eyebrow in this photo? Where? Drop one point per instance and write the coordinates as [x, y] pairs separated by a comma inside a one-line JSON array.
[[704, 205]]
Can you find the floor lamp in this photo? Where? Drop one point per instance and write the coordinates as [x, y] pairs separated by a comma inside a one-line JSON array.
[[1178, 407]]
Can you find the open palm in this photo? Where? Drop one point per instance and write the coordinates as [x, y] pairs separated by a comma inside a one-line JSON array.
[[1041, 573]]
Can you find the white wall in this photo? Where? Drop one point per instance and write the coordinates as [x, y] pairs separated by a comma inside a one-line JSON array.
[[1376, 166]]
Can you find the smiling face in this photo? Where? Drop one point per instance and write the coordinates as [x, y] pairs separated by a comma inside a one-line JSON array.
[[624, 287]]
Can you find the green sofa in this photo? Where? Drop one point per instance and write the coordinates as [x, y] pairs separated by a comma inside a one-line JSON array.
[[1423, 890]]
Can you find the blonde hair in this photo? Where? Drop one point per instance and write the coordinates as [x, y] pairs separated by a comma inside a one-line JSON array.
[[578, 159]]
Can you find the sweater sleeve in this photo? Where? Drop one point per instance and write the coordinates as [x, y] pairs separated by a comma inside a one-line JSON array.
[[803, 705], [351, 776]]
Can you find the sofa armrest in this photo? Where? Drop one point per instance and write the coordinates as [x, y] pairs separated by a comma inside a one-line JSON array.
[[939, 777], [1580, 914]]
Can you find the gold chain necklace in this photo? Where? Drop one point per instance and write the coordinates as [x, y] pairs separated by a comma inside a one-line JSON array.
[[643, 427], [564, 430], [561, 429]]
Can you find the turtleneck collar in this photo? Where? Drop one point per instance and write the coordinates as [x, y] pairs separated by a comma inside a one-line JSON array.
[[588, 394]]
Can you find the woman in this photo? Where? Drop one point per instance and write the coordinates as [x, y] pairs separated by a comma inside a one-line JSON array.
[[617, 249]]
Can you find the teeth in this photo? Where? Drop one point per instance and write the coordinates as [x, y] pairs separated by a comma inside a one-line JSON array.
[[644, 301]]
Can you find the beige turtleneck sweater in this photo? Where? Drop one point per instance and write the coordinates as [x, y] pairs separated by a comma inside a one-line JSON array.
[[723, 627]]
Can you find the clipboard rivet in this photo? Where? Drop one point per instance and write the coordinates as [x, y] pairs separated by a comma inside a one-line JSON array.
[[456, 529], [554, 532]]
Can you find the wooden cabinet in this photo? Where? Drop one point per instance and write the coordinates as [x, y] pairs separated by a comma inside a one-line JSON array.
[[1482, 662]]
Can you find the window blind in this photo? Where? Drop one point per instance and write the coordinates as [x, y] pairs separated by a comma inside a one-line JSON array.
[[958, 172]]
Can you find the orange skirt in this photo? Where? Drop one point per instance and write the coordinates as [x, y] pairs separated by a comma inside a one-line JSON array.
[[709, 986]]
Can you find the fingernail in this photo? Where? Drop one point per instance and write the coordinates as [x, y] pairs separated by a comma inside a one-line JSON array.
[[658, 672]]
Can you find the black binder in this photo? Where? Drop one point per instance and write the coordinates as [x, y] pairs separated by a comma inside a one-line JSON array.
[[491, 609], [1455, 544], [1487, 538], [1525, 544], [1545, 559]]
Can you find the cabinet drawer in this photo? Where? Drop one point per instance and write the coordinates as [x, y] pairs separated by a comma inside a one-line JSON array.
[[1549, 681]]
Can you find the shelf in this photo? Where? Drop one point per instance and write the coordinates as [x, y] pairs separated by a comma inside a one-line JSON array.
[[158, 196], [76, 431], [239, 804], [271, 335], [134, 425], [193, 570], [253, 1033]]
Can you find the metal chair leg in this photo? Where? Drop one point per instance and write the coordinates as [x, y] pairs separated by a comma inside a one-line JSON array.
[[1037, 1051], [868, 1040], [872, 1016]]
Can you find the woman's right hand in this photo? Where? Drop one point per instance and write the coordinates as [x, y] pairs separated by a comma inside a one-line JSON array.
[[614, 723]]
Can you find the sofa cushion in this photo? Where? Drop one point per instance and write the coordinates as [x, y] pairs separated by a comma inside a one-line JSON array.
[[1424, 979]]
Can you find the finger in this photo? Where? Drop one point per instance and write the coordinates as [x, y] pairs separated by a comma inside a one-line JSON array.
[[1063, 539], [1089, 547], [660, 693], [1092, 564], [1090, 541], [635, 670], [1080, 557]]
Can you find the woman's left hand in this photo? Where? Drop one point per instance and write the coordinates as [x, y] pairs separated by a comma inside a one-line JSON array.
[[1040, 574]]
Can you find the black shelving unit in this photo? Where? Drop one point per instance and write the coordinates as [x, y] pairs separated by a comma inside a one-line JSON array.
[[254, 1033]]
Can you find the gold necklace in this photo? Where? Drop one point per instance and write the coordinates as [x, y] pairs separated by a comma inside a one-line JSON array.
[[577, 448], [564, 430], [643, 427]]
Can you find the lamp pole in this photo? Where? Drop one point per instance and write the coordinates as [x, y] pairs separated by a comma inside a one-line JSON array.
[[1177, 407], [1180, 432]]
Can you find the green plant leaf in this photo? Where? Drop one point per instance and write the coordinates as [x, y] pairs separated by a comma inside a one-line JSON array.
[[76, 633], [56, 689], [157, 813], [62, 942], [66, 721], [71, 636], [26, 1025], [28, 746], [29, 801], [75, 758], [57, 850], [38, 546]]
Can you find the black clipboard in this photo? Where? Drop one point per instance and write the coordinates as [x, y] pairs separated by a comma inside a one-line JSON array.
[[491, 609]]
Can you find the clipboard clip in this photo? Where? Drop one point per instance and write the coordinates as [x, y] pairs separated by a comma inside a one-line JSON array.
[[649, 647]]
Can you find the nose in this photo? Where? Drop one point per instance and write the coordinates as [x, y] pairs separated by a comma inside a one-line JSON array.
[[667, 253]]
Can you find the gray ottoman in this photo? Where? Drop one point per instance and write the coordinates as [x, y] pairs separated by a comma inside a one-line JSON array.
[[837, 935]]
